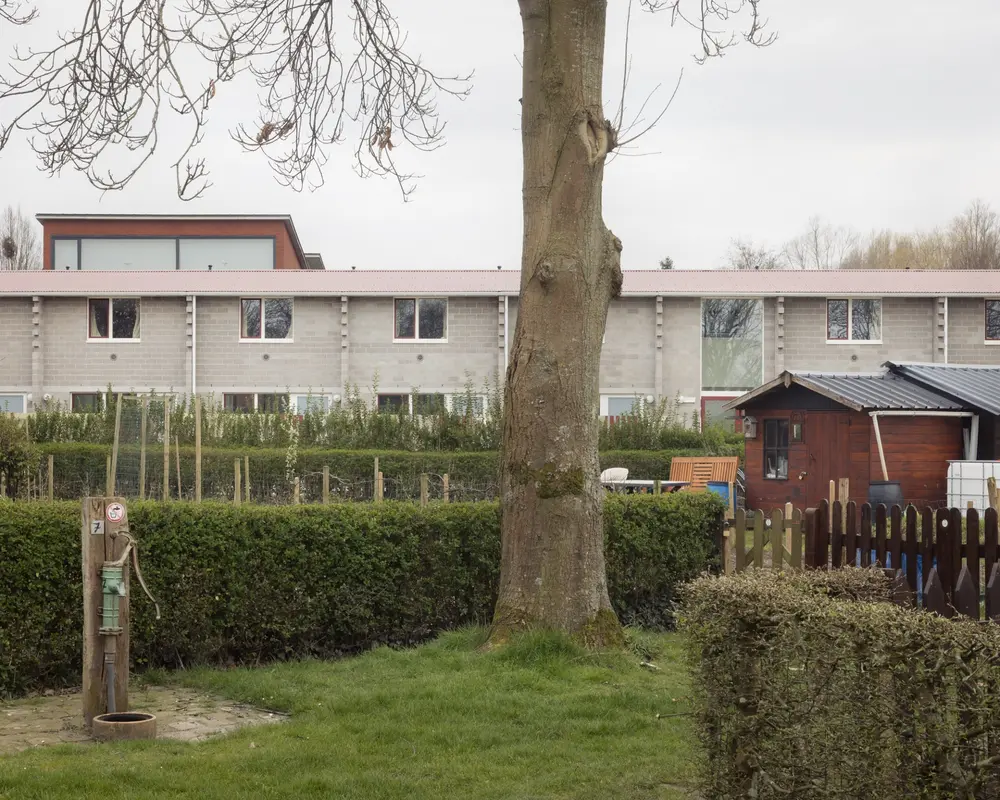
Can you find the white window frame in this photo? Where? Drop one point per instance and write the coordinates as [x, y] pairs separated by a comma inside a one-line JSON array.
[[416, 321], [450, 402], [101, 400], [850, 321], [263, 338], [987, 341], [255, 394], [111, 323], [24, 402]]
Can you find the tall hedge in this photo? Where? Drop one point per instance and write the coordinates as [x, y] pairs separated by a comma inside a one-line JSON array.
[[80, 469], [250, 583], [814, 686]]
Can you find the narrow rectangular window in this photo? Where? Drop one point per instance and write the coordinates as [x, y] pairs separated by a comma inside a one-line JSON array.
[[99, 326], [312, 403], [406, 319], [85, 402], [250, 319], [242, 403], [776, 449], [394, 403], [866, 320], [836, 320], [113, 318], [993, 320], [427, 404]]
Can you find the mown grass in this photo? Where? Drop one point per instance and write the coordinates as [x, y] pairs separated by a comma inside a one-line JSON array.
[[539, 719]]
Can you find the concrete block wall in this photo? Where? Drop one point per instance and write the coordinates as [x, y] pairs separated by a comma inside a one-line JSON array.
[[309, 361], [967, 333], [15, 350], [907, 335], [627, 357], [682, 351], [72, 364], [469, 354]]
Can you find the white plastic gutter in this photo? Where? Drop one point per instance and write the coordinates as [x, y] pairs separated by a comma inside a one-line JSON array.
[[970, 449], [506, 337], [194, 345]]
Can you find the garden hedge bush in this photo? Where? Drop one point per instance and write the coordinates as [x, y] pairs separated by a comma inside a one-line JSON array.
[[80, 469], [251, 583], [813, 685]]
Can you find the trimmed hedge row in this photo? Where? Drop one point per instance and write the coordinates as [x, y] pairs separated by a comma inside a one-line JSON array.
[[80, 469], [250, 583], [812, 686]]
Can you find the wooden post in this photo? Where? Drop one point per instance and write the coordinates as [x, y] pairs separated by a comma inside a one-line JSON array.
[[142, 449], [52, 477], [108, 480], [991, 487], [375, 490], [833, 499], [166, 449], [295, 496], [100, 543], [843, 490], [657, 488], [177, 452], [326, 485], [379, 487], [114, 450], [197, 448], [789, 511], [246, 476], [424, 489], [445, 489], [237, 483]]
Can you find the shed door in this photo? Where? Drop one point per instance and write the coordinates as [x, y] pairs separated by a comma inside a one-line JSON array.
[[826, 436]]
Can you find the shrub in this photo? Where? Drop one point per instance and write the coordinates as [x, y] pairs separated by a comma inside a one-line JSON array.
[[803, 691], [80, 470], [251, 583], [18, 458]]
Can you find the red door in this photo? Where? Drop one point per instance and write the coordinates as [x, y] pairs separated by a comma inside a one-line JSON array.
[[826, 440]]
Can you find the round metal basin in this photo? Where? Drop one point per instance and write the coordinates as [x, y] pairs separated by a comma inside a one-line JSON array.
[[124, 725]]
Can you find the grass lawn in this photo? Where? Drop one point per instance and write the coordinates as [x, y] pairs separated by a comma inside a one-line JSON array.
[[539, 719]]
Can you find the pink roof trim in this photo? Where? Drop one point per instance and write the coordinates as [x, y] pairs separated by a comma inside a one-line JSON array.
[[388, 283]]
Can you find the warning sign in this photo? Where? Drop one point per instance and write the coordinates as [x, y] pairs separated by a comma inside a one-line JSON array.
[[115, 512]]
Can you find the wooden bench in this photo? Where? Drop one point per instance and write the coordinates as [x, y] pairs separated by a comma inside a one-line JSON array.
[[699, 471]]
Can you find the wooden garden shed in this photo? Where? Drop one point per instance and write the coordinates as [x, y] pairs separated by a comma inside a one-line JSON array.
[[805, 429]]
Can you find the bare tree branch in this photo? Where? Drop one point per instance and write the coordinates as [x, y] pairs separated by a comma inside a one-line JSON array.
[[106, 84], [714, 42], [16, 13]]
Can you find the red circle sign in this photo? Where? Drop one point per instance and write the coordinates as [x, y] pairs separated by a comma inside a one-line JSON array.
[[115, 512]]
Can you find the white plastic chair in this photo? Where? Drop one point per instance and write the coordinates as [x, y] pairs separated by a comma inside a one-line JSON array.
[[614, 475]]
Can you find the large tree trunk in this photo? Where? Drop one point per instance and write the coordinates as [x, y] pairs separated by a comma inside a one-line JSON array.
[[552, 570]]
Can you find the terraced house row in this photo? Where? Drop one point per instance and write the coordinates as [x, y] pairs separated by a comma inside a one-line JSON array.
[[233, 307]]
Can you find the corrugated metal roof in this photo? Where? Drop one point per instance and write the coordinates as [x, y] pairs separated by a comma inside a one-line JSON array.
[[864, 391], [975, 386], [638, 283]]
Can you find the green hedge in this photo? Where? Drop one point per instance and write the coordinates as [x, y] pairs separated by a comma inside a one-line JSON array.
[[250, 583], [80, 470], [808, 686]]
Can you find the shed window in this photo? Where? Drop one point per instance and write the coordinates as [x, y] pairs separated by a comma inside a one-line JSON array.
[[776, 449], [854, 320], [993, 320]]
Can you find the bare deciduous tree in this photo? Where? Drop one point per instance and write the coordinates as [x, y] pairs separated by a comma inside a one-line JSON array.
[[744, 254], [822, 246], [103, 88], [16, 12], [20, 246], [974, 238]]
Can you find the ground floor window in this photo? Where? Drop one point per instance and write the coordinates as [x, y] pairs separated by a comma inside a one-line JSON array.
[[776, 449], [12, 403], [85, 402], [714, 413], [394, 403]]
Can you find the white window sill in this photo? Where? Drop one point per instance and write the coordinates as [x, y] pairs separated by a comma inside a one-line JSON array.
[[991, 342], [420, 341], [107, 340], [854, 341], [267, 341]]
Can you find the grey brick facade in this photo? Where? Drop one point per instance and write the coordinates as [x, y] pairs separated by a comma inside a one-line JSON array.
[[652, 345]]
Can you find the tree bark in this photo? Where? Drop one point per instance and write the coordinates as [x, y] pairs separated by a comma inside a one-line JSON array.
[[552, 572]]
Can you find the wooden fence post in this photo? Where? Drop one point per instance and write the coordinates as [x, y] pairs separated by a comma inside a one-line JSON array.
[[52, 477], [777, 538], [379, 487], [424, 493], [238, 483], [197, 448], [326, 484], [991, 488], [108, 480], [445, 489], [142, 449], [738, 535], [177, 452], [166, 449], [246, 476], [297, 491]]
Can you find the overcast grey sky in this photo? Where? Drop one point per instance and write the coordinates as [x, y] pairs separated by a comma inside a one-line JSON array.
[[869, 113]]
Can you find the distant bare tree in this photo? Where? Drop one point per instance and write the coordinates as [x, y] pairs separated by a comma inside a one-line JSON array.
[[889, 250], [822, 246], [974, 238], [20, 247], [744, 254]]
